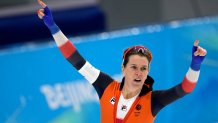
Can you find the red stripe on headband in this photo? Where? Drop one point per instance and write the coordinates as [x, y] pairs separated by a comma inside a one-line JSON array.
[[144, 50]]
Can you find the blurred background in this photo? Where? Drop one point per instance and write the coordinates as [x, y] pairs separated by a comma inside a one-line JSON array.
[[39, 86], [82, 17]]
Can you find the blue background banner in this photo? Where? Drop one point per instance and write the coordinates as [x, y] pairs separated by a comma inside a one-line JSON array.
[[38, 85]]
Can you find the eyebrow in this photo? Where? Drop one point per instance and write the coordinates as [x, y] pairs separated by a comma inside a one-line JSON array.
[[136, 65]]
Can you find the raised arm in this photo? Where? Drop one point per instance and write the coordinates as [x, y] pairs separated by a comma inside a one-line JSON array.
[[66, 47], [98, 79], [191, 78], [164, 97]]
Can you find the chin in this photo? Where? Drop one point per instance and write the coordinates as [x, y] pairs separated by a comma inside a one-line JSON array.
[[137, 83]]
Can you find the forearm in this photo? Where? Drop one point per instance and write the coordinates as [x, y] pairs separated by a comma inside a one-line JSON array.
[[190, 80], [162, 98], [64, 44], [70, 52], [98, 79], [67, 48]]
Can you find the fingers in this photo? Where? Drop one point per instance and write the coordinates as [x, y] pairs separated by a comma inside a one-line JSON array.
[[200, 51], [196, 43], [42, 3], [40, 13]]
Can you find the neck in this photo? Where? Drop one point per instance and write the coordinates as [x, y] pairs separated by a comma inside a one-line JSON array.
[[127, 94]]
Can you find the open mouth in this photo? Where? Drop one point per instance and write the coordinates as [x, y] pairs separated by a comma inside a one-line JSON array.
[[137, 80]]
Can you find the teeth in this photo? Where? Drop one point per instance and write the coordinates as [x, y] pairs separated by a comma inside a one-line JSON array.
[[138, 79]]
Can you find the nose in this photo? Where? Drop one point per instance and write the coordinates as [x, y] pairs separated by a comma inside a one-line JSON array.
[[138, 73]]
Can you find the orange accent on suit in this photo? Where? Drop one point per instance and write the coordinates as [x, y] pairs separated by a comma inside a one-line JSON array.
[[140, 109]]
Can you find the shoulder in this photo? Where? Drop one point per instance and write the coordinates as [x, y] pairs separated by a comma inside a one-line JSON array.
[[114, 85]]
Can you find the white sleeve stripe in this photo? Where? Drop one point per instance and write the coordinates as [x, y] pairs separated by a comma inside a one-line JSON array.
[[192, 75], [89, 72], [60, 38]]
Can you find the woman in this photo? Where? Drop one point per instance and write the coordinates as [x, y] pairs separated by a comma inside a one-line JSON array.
[[132, 100]]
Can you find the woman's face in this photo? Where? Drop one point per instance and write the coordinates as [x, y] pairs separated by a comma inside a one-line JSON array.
[[135, 72]]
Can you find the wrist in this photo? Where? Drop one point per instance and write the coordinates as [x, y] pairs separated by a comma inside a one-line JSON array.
[[195, 66], [53, 28]]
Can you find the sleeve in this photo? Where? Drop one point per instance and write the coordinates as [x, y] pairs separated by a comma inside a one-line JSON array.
[[97, 78], [162, 98]]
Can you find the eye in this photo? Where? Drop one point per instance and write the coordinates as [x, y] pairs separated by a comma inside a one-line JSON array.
[[143, 69], [134, 67]]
